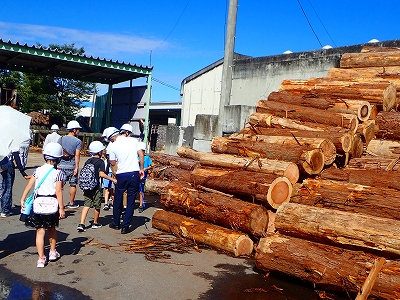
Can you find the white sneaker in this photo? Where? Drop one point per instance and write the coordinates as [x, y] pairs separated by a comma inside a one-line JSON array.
[[3, 215], [54, 255], [41, 262]]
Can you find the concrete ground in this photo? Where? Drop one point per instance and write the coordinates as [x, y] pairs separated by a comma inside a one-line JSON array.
[[91, 271]]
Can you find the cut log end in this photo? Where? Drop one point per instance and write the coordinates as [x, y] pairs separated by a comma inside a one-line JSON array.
[[292, 173], [244, 246], [258, 221], [313, 162], [279, 192], [364, 112]]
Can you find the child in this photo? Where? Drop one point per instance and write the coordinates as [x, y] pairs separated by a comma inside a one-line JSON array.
[[93, 197], [146, 166], [51, 186], [108, 186]]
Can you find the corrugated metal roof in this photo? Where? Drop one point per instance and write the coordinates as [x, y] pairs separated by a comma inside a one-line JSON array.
[[45, 61]]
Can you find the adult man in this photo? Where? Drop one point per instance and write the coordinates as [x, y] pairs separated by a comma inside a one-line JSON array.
[[69, 163], [53, 137], [125, 151], [126, 129]]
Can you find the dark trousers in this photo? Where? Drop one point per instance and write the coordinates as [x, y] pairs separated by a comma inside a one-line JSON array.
[[125, 182]]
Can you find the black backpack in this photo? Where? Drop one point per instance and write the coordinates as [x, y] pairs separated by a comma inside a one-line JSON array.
[[87, 176]]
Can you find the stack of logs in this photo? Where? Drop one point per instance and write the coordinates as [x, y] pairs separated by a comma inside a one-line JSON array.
[[312, 181]]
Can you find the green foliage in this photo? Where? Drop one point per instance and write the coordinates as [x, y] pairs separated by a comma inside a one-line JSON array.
[[60, 97]]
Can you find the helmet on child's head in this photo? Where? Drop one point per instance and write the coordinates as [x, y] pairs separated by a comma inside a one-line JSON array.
[[96, 147], [142, 146], [73, 124], [126, 127], [55, 127], [110, 131], [52, 151]]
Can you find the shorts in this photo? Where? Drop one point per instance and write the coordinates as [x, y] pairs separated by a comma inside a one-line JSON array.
[[92, 198], [142, 185], [43, 221], [107, 184], [69, 176]]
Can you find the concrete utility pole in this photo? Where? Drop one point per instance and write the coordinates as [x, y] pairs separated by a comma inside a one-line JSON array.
[[226, 84]]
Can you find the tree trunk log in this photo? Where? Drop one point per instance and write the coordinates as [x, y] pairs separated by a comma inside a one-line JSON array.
[[307, 114], [376, 92], [281, 168], [327, 267], [375, 163], [270, 189], [341, 140], [350, 197], [171, 173], [221, 210], [388, 124], [310, 161], [173, 160], [218, 237], [357, 148], [384, 148], [362, 109], [340, 228], [378, 49], [269, 120], [367, 131], [370, 59], [326, 145], [155, 186]]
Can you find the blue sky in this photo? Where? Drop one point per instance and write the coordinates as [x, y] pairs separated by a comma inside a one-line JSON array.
[[181, 37]]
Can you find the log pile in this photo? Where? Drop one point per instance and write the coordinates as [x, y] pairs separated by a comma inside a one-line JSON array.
[[312, 179]]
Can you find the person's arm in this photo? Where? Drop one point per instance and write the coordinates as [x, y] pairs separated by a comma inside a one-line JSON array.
[[59, 196], [141, 163], [77, 159], [18, 162], [104, 175], [28, 187]]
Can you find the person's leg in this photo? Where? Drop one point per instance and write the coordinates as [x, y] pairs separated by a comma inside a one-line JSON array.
[[7, 181], [119, 191], [132, 189], [85, 211], [40, 233], [72, 194], [97, 205], [52, 238]]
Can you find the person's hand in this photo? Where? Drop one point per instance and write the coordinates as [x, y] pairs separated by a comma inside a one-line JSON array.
[[28, 177], [75, 171], [62, 212], [114, 180], [141, 173]]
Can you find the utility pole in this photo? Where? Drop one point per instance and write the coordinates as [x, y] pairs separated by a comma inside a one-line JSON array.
[[226, 83]]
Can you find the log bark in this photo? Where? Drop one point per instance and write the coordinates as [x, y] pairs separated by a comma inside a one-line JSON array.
[[221, 210], [367, 131], [376, 92], [362, 109], [269, 120], [173, 160], [375, 163], [350, 198], [388, 124], [310, 161], [379, 49], [155, 186], [281, 168], [215, 236], [171, 173], [370, 281], [307, 114], [341, 140], [340, 228], [270, 189], [327, 267], [384, 148], [370, 59], [357, 148], [326, 145]]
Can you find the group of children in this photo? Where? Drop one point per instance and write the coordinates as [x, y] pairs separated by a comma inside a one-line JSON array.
[[51, 187]]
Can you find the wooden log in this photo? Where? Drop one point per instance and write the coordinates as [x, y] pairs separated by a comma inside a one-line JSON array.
[[173, 160], [269, 120], [340, 228], [378, 178], [341, 140], [221, 210], [326, 145], [310, 161], [370, 59], [376, 92], [375, 163], [270, 189], [171, 173], [215, 236], [388, 124], [362, 109], [367, 131], [349, 197], [384, 148], [370, 281], [357, 148], [307, 114], [326, 267], [155, 186], [368, 48], [281, 168]]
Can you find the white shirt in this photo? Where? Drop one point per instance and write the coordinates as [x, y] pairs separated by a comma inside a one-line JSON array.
[[125, 151], [51, 138], [48, 187]]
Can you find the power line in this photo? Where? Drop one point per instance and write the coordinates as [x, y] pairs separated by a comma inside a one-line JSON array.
[[322, 23], [166, 84], [309, 22]]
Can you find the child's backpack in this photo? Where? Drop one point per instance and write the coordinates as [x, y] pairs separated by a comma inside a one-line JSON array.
[[87, 176]]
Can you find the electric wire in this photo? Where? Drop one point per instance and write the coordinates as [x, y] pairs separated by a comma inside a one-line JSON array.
[[304, 13], [322, 23], [165, 84]]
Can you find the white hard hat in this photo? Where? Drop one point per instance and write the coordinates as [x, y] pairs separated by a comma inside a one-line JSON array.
[[142, 145], [96, 147], [73, 124], [110, 131], [54, 150], [127, 127], [55, 127]]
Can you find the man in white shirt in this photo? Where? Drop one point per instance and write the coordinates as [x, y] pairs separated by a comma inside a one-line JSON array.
[[53, 137], [125, 151]]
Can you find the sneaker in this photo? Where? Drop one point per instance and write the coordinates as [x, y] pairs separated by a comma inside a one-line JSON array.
[[54, 255], [106, 207], [81, 228], [69, 205], [110, 206], [140, 209], [96, 225], [41, 262], [3, 215]]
